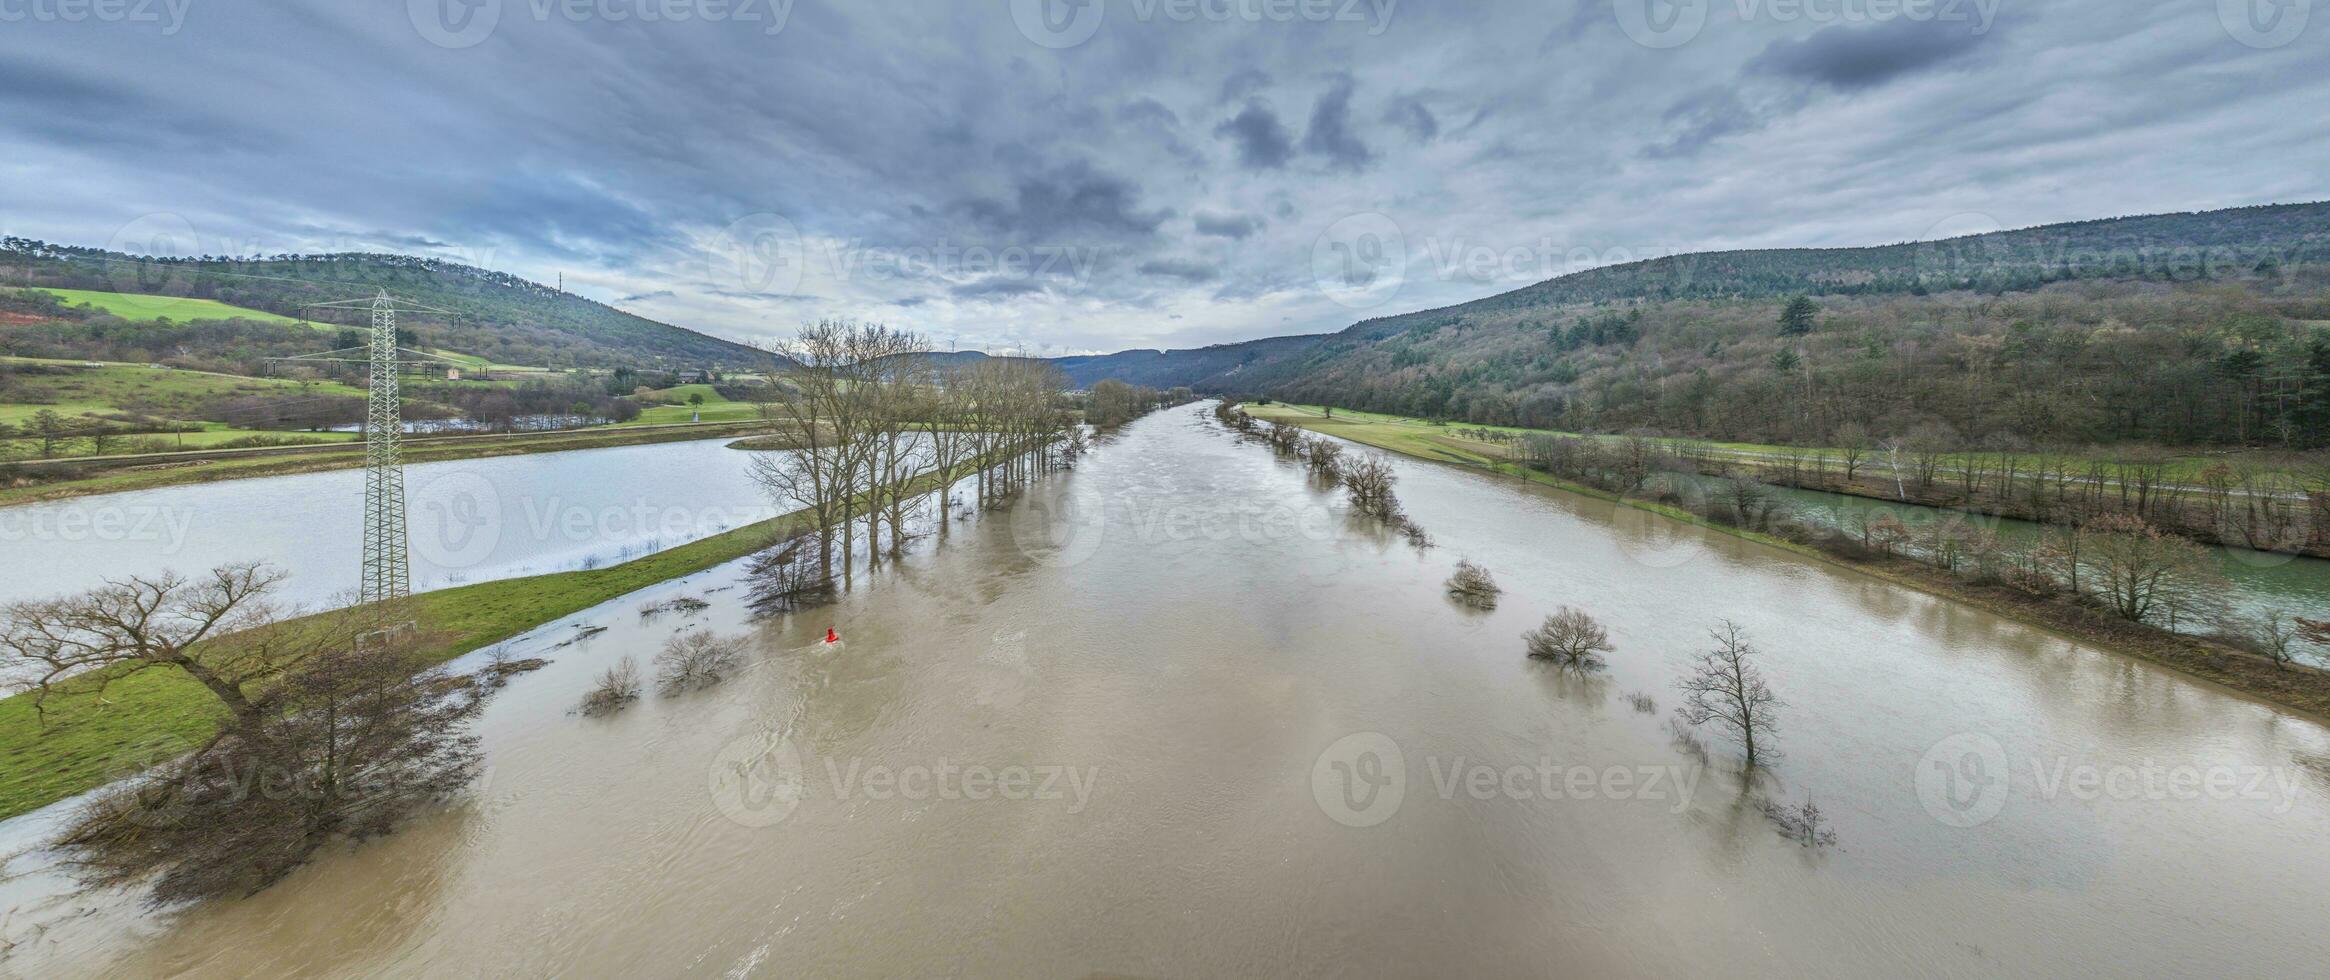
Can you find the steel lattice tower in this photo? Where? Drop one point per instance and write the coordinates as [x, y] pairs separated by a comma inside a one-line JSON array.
[[386, 574]]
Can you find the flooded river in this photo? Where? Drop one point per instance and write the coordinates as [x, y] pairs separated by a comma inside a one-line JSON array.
[[1173, 714]]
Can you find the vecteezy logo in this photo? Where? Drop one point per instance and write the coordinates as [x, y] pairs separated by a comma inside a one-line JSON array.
[[155, 240], [1959, 250], [457, 520], [1660, 23], [1962, 780], [1360, 780], [756, 780], [760, 254], [1361, 260], [2264, 23], [1057, 23], [454, 24], [1060, 531]]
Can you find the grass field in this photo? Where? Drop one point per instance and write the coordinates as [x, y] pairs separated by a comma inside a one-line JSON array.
[[715, 409], [143, 389], [142, 306], [152, 716]]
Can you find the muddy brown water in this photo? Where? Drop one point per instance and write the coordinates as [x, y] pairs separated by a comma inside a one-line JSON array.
[[1172, 714]]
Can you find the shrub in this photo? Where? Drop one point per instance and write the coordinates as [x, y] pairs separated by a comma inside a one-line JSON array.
[[1570, 638], [617, 688], [696, 659], [1472, 585], [1802, 823]]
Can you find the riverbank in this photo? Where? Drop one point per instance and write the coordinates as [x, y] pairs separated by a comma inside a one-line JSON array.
[[2297, 688], [2261, 501], [156, 715], [172, 469]]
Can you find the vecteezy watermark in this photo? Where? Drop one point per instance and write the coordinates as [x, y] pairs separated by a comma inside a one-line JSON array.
[[1674, 23], [2264, 24], [71, 523], [1464, 260], [975, 263], [459, 518], [1068, 23], [1067, 530], [169, 14], [1973, 249], [1361, 780], [1967, 780], [466, 23], [758, 780], [1360, 261]]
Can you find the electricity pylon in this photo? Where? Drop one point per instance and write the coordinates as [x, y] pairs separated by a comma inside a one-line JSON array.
[[387, 573]]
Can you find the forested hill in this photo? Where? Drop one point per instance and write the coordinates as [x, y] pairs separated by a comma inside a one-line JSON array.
[[2180, 329], [503, 318]]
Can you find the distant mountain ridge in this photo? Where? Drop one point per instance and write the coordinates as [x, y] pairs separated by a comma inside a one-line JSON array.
[[2223, 244]]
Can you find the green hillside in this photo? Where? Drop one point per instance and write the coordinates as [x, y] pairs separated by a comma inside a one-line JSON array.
[[501, 318], [2183, 329]]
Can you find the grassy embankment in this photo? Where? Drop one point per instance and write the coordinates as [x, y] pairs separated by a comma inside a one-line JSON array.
[[2299, 688], [2186, 468], [150, 716]]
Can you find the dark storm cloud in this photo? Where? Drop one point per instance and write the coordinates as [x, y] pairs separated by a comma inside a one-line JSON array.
[[1415, 117], [996, 287], [1070, 201], [1849, 58], [1187, 270], [1162, 183], [1330, 133], [1226, 225], [1244, 83], [1262, 141]]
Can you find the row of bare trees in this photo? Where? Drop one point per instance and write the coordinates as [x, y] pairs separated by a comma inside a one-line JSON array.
[[871, 411]]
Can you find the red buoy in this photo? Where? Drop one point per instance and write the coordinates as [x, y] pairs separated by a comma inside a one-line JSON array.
[[831, 636]]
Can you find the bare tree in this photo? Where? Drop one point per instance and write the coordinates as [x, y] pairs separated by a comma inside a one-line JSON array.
[[2139, 570], [1853, 445], [221, 628], [1725, 688], [1369, 482], [2276, 636], [1571, 638]]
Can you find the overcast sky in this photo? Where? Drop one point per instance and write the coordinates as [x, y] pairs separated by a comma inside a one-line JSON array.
[[1128, 173]]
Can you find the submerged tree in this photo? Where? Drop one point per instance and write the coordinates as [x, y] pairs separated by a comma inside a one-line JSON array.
[[616, 689], [1368, 480], [347, 746], [1472, 585], [1571, 638], [1725, 688], [696, 659]]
